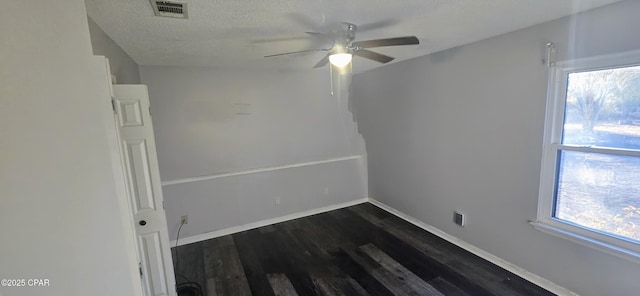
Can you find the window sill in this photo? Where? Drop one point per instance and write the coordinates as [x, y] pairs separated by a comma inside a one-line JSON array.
[[587, 241]]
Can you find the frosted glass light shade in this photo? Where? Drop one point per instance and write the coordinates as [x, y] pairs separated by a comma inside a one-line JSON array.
[[340, 59]]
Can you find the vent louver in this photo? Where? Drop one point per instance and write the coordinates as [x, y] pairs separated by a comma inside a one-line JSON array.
[[169, 9]]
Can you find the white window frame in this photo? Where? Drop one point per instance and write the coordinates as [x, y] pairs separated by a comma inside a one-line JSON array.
[[552, 145]]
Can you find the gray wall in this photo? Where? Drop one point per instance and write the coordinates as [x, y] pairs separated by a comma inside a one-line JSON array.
[[122, 65], [59, 213], [462, 130], [209, 122]]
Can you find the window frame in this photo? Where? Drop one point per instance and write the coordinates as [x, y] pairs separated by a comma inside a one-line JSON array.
[[552, 146]]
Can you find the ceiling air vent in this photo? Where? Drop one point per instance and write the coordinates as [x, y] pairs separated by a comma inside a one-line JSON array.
[[169, 9]]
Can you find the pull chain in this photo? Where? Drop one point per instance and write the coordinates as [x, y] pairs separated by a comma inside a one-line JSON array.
[[331, 78]]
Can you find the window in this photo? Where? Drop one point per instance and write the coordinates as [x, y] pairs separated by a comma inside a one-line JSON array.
[[590, 181]]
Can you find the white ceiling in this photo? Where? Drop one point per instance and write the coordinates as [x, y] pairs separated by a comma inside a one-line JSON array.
[[238, 33]]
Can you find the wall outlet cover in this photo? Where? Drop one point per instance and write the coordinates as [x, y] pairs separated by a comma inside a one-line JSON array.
[[458, 218]]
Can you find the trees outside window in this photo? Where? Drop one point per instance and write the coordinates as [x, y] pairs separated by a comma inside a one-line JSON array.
[[590, 182]]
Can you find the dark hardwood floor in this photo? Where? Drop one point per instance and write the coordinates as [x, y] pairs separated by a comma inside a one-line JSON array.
[[360, 250]]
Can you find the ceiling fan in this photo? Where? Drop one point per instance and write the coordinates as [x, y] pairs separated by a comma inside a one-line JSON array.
[[344, 47]]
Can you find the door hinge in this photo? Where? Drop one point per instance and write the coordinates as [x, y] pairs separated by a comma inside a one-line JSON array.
[[113, 105]]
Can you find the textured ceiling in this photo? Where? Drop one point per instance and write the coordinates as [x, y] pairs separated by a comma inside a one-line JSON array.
[[238, 33]]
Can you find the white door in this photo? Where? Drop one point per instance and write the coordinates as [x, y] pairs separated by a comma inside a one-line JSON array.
[[133, 118]]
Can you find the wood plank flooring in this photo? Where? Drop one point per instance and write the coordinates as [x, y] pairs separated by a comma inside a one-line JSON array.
[[359, 250]]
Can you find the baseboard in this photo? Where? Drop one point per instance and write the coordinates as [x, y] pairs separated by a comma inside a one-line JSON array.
[[531, 277], [240, 228]]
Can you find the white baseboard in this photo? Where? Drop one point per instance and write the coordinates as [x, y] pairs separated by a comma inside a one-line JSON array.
[[531, 277], [240, 228]]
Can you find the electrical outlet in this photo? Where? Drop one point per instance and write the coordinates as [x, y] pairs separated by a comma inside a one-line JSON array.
[[184, 219]]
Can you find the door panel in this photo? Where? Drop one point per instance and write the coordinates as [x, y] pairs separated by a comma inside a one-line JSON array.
[[130, 113], [154, 261], [141, 165], [139, 176]]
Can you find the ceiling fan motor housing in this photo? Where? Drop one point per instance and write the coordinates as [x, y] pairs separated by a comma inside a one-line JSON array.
[[349, 34], [343, 43]]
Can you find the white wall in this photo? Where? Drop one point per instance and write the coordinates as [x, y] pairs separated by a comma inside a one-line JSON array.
[[225, 202], [123, 67], [462, 130], [213, 121], [58, 211]]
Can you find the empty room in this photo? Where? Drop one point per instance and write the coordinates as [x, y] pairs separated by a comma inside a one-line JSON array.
[[413, 147]]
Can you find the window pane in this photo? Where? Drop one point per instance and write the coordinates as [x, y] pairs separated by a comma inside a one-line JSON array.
[[600, 191], [603, 108]]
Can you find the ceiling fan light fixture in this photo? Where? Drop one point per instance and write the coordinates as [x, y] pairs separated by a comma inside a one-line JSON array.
[[340, 59]]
